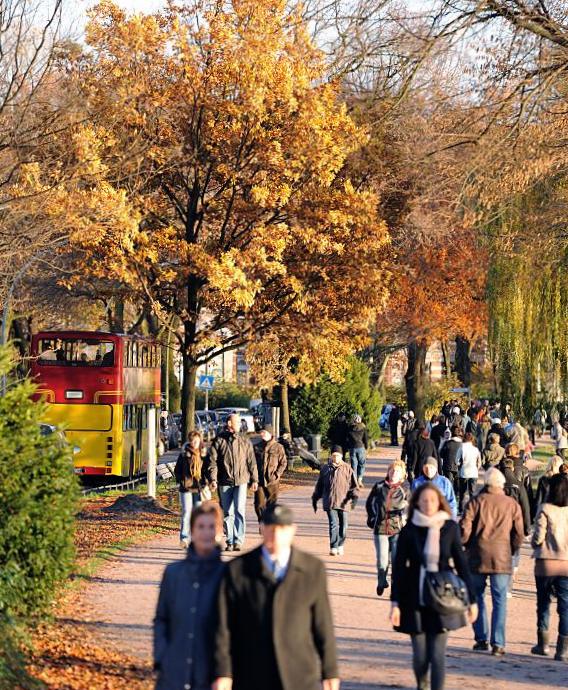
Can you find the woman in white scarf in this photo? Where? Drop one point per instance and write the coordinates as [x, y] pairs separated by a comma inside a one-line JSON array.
[[430, 541]]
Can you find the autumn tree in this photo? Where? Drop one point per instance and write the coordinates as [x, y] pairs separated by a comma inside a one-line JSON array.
[[220, 151]]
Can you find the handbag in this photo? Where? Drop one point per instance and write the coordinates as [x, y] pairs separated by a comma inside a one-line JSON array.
[[445, 593], [205, 494]]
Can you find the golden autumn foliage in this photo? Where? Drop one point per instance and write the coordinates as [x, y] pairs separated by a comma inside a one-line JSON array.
[[212, 183]]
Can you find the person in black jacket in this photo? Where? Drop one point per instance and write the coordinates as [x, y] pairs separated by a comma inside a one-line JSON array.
[[394, 418], [275, 629], [450, 456], [497, 428], [357, 444], [184, 625], [423, 449], [427, 543], [515, 489], [438, 429], [408, 445]]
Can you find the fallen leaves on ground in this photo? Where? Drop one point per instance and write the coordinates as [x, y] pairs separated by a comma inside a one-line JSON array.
[[68, 653]]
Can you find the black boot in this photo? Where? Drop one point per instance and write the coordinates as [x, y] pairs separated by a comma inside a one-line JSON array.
[[561, 648], [541, 648]]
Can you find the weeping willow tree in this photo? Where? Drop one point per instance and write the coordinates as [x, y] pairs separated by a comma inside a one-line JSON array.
[[528, 304]]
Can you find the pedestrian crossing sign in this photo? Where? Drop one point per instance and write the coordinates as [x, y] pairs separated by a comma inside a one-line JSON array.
[[206, 382]]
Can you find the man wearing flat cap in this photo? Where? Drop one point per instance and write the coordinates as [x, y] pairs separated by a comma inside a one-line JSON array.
[[271, 463], [275, 628]]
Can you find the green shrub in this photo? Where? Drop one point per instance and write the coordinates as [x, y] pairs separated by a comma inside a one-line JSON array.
[[13, 660], [225, 395], [315, 407], [38, 498]]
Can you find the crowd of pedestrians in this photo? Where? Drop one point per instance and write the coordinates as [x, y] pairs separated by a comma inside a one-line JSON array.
[[441, 539]]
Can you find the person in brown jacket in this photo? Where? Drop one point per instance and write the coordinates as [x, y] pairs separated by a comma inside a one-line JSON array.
[[271, 462], [337, 487], [492, 530]]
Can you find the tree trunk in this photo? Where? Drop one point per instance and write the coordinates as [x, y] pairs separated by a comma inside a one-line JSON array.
[[446, 363], [415, 377], [115, 315], [463, 361], [380, 382], [188, 392], [285, 417]]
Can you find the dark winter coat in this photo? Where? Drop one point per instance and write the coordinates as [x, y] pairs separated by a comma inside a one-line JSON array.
[[336, 486], [386, 507], [232, 461], [357, 436], [394, 417], [542, 490], [449, 455], [338, 433], [275, 636], [270, 461], [185, 622], [408, 445], [515, 489], [437, 433], [492, 530], [499, 431], [423, 449], [406, 577], [522, 473]]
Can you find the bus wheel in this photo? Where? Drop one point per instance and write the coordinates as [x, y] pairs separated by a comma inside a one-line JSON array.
[[131, 469]]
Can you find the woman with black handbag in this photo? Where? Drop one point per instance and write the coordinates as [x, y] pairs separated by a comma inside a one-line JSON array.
[[428, 598]]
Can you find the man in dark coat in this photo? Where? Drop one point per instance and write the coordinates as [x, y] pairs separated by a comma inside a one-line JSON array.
[[231, 468], [515, 489], [394, 418], [423, 449], [271, 462], [338, 431], [275, 624]]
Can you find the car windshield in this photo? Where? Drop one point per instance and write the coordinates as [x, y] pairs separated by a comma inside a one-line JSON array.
[[75, 352]]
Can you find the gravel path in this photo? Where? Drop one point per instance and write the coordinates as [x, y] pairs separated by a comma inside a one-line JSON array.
[[122, 600]]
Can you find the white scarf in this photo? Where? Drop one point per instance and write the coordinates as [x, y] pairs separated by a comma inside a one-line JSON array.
[[434, 523]]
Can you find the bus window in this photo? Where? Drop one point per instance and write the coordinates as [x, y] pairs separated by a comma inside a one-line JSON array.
[[134, 354], [126, 354], [75, 352], [144, 356]]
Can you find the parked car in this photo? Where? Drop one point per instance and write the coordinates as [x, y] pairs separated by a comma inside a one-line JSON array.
[[247, 417], [207, 424]]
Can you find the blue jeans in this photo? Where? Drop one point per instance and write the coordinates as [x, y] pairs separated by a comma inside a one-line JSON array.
[[385, 548], [498, 584], [358, 457], [188, 501], [233, 502], [337, 527], [546, 587]]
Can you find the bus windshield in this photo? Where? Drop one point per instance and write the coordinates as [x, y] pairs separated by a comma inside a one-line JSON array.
[[77, 352]]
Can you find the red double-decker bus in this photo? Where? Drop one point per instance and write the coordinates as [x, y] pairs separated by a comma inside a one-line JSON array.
[[103, 390]]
